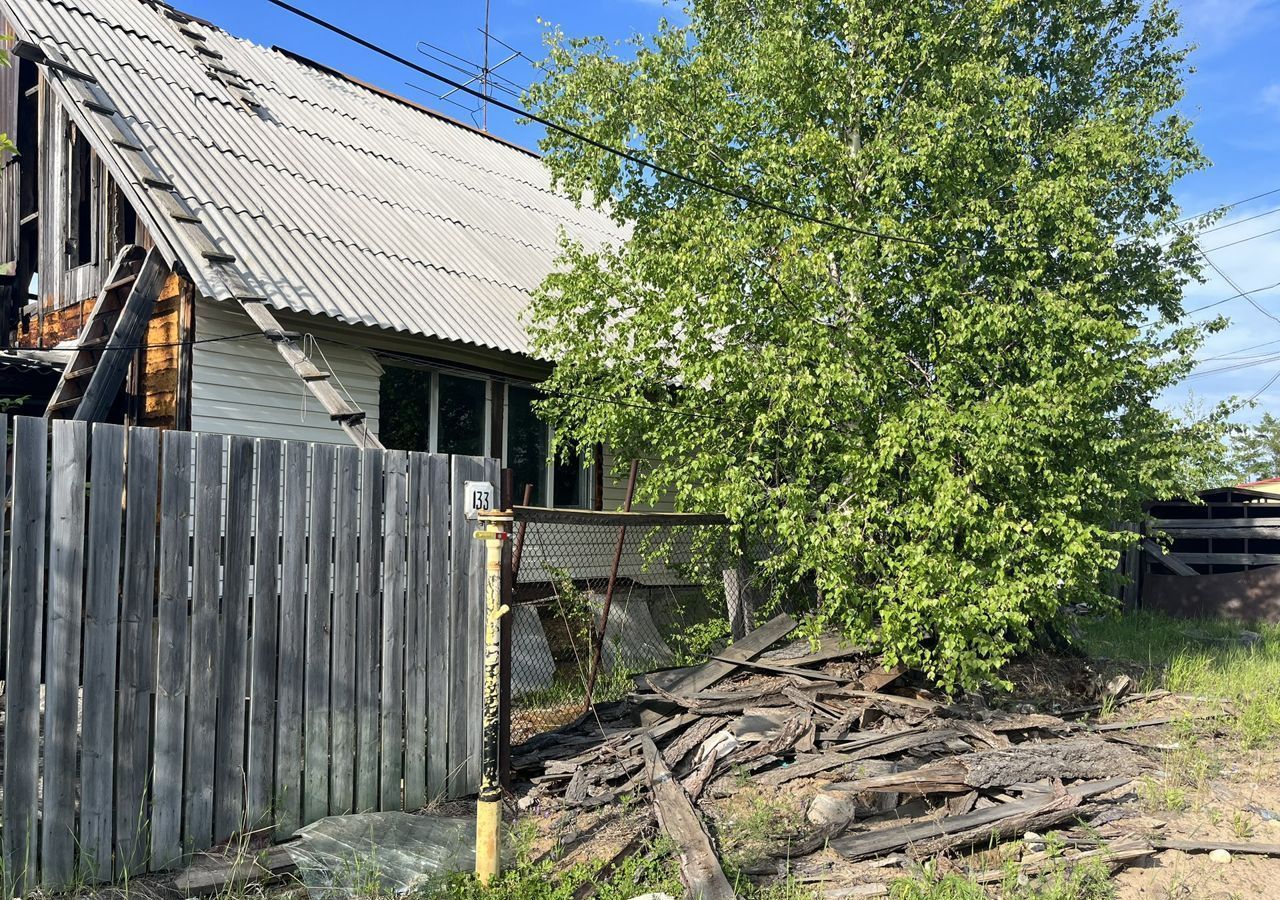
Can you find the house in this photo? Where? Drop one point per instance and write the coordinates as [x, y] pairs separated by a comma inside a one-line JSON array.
[[1268, 486], [277, 249]]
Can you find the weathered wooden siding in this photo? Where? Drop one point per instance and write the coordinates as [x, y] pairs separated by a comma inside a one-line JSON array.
[[157, 381]]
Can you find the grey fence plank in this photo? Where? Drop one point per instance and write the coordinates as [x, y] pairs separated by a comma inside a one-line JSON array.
[[293, 564], [439, 627], [417, 596], [394, 518], [265, 637], [229, 770], [467, 564], [101, 626], [203, 675], [173, 606], [22, 672], [342, 689], [67, 476], [137, 659], [368, 631], [315, 784]]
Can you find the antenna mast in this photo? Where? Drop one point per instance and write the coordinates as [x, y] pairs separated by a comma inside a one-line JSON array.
[[485, 71]]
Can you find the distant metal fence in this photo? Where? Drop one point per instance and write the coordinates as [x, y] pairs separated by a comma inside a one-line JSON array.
[[598, 597]]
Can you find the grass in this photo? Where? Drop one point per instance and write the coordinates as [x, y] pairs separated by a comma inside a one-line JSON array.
[[1202, 659], [1087, 880], [654, 870]]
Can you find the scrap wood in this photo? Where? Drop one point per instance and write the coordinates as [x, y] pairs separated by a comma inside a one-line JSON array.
[[829, 649], [1245, 849], [878, 679], [776, 669], [1075, 758], [698, 678], [699, 866], [210, 874], [974, 826]]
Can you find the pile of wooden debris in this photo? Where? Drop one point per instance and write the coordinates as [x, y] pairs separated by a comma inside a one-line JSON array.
[[888, 773]]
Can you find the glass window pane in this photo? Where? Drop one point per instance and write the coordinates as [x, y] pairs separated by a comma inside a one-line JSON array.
[[404, 409], [461, 410], [526, 444], [567, 480]]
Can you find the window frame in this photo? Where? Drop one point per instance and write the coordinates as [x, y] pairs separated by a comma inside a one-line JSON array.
[[548, 467], [433, 426]]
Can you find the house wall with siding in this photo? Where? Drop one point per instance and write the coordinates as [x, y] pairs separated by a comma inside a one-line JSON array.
[[243, 386]]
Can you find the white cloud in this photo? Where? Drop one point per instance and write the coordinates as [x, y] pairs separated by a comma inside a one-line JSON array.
[[1271, 97], [1216, 24]]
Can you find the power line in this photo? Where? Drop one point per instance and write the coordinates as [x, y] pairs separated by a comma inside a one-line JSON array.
[[1204, 254], [599, 145], [1232, 354], [1252, 237], [1258, 393], [1269, 212], [1226, 206], [1260, 361], [1235, 296]]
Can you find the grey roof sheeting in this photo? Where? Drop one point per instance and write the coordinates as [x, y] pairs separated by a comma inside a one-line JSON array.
[[334, 199]]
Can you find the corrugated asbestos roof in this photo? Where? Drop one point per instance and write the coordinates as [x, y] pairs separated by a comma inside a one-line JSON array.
[[333, 199]]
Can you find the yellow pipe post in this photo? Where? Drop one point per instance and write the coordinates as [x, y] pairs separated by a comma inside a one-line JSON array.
[[495, 530]]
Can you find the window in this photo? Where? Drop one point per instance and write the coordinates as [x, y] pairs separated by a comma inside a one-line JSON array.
[[461, 416], [528, 445], [404, 401], [567, 478], [432, 412], [527, 440], [82, 206]]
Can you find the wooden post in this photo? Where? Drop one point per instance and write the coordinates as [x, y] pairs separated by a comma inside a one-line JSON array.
[[598, 642]]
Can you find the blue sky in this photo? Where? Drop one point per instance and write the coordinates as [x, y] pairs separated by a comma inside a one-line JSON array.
[[1233, 98]]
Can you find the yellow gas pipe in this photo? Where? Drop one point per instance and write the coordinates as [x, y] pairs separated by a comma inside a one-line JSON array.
[[495, 530]]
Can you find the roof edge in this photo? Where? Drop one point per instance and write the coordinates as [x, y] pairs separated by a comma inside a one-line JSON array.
[[405, 101]]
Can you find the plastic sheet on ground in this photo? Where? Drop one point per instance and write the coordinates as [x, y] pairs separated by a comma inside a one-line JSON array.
[[348, 855], [530, 652]]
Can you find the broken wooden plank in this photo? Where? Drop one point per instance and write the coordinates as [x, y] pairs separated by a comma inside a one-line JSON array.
[[1244, 849], [1076, 759], [1172, 563], [213, 875], [993, 820], [699, 678], [699, 867], [764, 666]]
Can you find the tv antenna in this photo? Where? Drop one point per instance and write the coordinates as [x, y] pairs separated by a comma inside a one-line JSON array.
[[482, 74]]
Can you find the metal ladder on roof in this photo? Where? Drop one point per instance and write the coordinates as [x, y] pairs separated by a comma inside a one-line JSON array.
[[113, 331]]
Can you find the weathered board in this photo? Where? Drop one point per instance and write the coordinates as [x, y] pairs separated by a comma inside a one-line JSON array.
[[273, 632]]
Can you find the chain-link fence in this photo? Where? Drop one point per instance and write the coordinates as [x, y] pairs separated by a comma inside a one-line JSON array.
[[667, 589]]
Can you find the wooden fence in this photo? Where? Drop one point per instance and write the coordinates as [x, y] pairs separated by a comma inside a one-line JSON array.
[[208, 633]]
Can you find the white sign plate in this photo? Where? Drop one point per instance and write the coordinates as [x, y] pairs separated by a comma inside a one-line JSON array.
[[476, 496]]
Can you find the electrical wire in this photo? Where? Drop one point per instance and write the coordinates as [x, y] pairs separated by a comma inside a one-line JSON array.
[[1226, 206], [628, 155], [1204, 254], [1252, 237], [213, 340]]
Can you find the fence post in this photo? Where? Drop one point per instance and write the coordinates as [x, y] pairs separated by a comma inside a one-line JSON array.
[[739, 602], [598, 643]]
